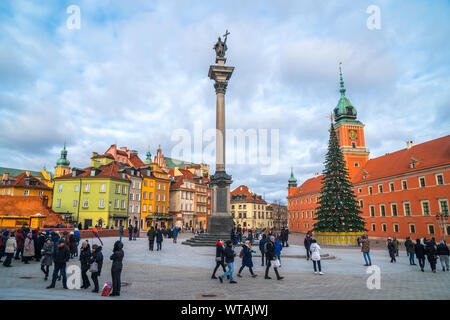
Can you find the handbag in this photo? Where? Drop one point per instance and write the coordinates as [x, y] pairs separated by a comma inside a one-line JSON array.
[[276, 263], [93, 268]]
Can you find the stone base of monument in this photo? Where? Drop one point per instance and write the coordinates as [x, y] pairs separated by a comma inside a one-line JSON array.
[[338, 238], [219, 228]]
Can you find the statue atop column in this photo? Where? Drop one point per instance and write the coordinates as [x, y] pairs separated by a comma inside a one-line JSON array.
[[221, 46]]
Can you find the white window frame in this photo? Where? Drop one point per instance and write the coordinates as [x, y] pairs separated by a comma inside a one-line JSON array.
[[60, 187], [85, 203], [58, 203], [101, 203], [392, 209], [425, 182], [413, 225], [103, 187], [440, 204], [437, 181], [423, 210], [404, 182], [381, 211], [404, 208], [428, 229], [87, 187]]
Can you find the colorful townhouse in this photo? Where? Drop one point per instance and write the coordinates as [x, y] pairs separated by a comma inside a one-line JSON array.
[[24, 184], [94, 196]]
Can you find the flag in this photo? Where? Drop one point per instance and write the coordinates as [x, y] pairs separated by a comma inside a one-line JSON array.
[[95, 232]]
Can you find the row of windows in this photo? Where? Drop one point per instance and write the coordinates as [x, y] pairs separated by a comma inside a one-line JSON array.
[[260, 215], [431, 229], [304, 200], [305, 214], [101, 203], [26, 192], [158, 208], [422, 183], [87, 187], [425, 205], [244, 206]]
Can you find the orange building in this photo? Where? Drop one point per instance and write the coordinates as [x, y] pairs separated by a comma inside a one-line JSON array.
[[399, 193], [24, 185]]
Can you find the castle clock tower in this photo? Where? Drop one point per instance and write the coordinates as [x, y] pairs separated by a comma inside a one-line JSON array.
[[350, 132]]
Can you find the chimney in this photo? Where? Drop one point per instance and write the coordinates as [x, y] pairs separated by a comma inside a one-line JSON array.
[[409, 144]]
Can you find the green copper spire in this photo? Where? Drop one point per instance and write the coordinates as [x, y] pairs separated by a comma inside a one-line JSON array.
[[344, 111], [63, 160], [292, 181], [148, 159]]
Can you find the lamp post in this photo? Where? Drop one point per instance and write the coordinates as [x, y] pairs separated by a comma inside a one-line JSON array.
[[442, 219]]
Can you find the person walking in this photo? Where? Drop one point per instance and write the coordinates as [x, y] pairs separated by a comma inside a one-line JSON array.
[[3, 240], [391, 249], [430, 252], [85, 257], [130, 232], [47, 257], [247, 259], [10, 247], [262, 246], [315, 256], [28, 250], [175, 234], [20, 238], [307, 244], [278, 248], [365, 249], [250, 237], [135, 232], [220, 252], [116, 268], [77, 235], [229, 255], [419, 249], [39, 245], [60, 257], [396, 245], [120, 233], [96, 258], [410, 250], [159, 239], [72, 245], [151, 234], [443, 252], [271, 259]]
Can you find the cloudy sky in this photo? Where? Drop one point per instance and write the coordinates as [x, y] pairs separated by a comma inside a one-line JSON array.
[[135, 74]]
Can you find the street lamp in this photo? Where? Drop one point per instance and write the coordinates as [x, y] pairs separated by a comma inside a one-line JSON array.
[[442, 219]]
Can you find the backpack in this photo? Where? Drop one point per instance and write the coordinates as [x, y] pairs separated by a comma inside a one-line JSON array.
[[265, 247], [241, 254]]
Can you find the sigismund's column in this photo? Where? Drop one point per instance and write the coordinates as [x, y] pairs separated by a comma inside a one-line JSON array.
[[221, 221]]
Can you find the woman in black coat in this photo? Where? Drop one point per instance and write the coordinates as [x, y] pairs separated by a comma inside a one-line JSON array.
[[116, 268], [159, 239], [430, 251], [247, 259], [420, 254], [219, 258], [96, 257], [85, 257]]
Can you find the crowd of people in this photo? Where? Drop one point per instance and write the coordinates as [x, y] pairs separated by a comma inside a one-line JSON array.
[[423, 248]]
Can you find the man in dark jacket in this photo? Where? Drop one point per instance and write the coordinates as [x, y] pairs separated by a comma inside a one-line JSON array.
[[135, 232], [85, 257], [20, 239], [391, 249], [97, 257], [219, 258], [159, 239], [430, 252], [410, 250], [270, 252], [116, 268], [307, 244], [443, 253], [419, 249], [151, 234], [60, 257], [262, 248], [130, 232], [229, 259]]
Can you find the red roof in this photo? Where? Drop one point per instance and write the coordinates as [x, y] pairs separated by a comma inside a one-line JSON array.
[[106, 171], [136, 161], [429, 154], [243, 190], [20, 181], [312, 185]]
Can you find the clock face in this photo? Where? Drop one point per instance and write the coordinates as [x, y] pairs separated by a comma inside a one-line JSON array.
[[352, 134]]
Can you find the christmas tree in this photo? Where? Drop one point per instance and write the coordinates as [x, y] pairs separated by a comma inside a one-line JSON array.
[[338, 210]]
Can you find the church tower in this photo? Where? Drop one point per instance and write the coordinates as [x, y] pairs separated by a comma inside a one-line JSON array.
[[62, 165], [350, 132], [292, 183]]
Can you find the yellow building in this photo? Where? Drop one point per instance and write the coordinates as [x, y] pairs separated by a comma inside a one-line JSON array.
[[250, 210], [24, 185], [155, 195]]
